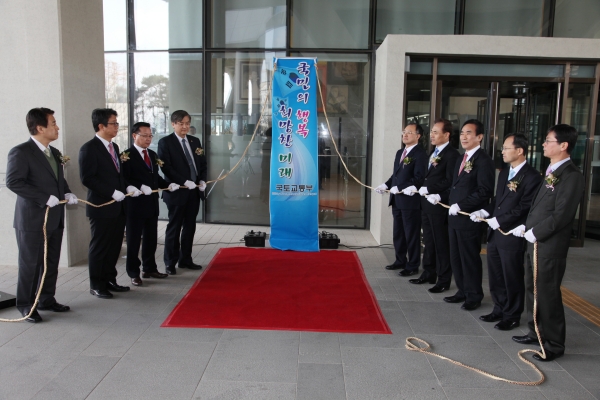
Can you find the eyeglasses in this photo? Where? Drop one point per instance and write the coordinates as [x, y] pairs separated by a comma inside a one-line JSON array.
[[113, 123], [409, 133], [183, 123], [507, 148], [550, 141], [145, 136]]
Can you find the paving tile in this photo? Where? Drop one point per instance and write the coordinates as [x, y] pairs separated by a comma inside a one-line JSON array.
[[397, 323], [493, 394], [120, 336], [320, 348], [230, 390], [560, 385], [584, 369], [438, 318], [321, 381]]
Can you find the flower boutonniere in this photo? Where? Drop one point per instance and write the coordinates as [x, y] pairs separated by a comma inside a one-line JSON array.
[[124, 156], [407, 160], [468, 167], [551, 181], [160, 162], [435, 160], [512, 185], [64, 159], [199, 151]]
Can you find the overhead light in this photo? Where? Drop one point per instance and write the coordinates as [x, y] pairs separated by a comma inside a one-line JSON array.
[[519, 85], [425, 90]]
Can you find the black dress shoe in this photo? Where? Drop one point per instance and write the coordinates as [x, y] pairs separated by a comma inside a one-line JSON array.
[[454, 299], [438, 289], [137, 281], [470, 305], [154, 274], [170, 270], [102, 294], [419, 281], [190, 266], [406, 272], [491, 317], [525, 339], [394, 266], [507, 325], [549, 356], [56, 307], [114, 287], [34, 318]]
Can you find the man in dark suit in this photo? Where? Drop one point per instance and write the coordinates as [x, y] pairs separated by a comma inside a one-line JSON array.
[[184, 163], [141, 170], [410, 165], [472, 188], [434, 218], [516, 188], [550, 223], [101, 172], [35, 174]]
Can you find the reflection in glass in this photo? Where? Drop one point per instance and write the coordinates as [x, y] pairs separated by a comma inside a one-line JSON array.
[[577, 19], [115, 78], [418, 105], [504, 18], [424, 17], [253, 23], [345, 90], [151, 24], [510, 70], [592, 227], [115, 25], [342, 24]]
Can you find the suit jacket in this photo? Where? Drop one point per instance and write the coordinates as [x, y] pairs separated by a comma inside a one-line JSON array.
[[176, 168], [98, 173], [30, 176], [137, 173], [510, 208], [438, 179], [471, 190], [552, 212], [406, 175]]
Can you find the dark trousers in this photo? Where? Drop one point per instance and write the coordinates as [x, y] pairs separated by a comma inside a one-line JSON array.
[[436, 255], [31, 268], [550, 310], [105, 246], [507, 281], [141, 231], [407, 235], [179, 236], [465, 246]]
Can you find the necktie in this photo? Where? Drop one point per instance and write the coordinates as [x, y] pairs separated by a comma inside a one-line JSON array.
[[47, 152], [111, 150], [462, 165], [511, 174], [435, 153], [147, 159], [548, 170], [188, 156], [403, 156]]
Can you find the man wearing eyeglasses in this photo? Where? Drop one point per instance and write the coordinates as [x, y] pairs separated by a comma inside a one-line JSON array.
[[184, 163], [515, 190], [101, 172], [410, 166], [141, 171], [550, 223]]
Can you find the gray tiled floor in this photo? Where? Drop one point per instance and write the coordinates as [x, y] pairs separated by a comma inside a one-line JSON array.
[[117, 349]]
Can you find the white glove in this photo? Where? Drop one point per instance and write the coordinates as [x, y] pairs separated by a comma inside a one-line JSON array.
[[381, 188], [423, 191], [479, 214], [519, 231], [433, 198], [133, 191], [202, 186], [530, 237], [454, 209], [173, 187], [52, 201], [146, 190], [189, 184], [493, 223], [71, 198], [394, 190], [409, 191], [118, 196]]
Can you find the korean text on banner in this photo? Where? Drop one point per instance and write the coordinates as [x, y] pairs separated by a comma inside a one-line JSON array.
[[294, 191]]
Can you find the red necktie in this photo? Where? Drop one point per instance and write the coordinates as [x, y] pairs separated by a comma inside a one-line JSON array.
[[146, 158], [462, 165]]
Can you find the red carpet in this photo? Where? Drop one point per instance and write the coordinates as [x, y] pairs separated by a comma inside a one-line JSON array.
[[245, 288]]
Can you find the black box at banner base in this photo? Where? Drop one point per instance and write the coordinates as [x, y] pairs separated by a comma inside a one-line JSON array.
[[328, 240], [255, 239]]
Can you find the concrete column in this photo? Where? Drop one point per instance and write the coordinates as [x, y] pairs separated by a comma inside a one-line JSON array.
[[54, 57]]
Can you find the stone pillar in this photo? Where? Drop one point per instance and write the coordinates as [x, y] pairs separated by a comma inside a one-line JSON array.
[[54, 57]]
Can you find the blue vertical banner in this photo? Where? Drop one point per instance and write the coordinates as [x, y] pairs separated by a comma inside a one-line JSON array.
[[294, 189]]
